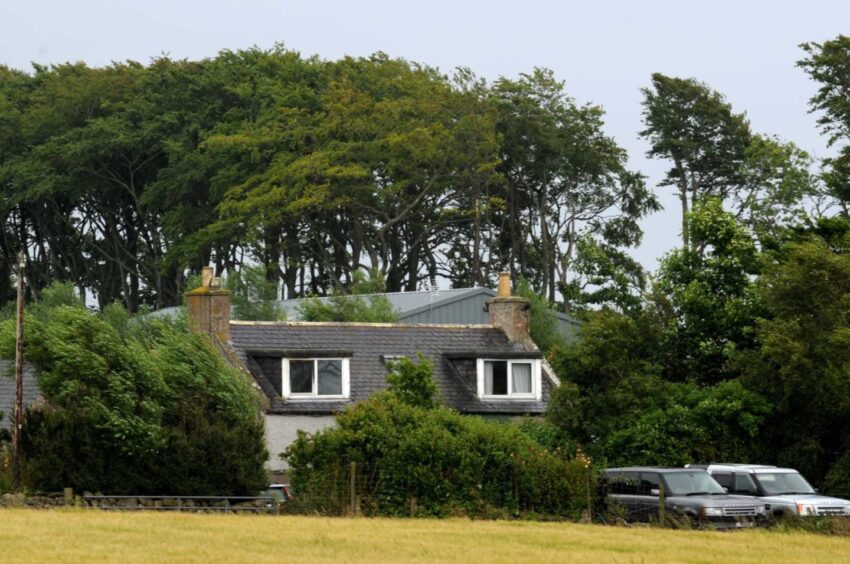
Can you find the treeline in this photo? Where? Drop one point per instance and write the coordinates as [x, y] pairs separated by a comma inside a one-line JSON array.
[[739, 350], [124, 179]]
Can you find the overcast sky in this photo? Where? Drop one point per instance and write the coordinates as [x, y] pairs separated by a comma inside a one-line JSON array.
[[605, 51]]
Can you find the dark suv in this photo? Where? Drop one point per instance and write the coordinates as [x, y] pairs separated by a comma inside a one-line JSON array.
[[690, 493]]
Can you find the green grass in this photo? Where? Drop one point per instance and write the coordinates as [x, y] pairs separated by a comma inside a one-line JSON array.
[[90, 535]]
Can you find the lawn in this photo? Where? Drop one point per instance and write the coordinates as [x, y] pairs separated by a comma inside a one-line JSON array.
[[88, 535]]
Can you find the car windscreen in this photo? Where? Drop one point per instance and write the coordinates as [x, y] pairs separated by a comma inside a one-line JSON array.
[[779, 483], [691, 483]]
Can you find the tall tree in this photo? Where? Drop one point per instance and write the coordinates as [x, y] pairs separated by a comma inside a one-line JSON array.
[[566, 181], [695, 128], [828, 64]]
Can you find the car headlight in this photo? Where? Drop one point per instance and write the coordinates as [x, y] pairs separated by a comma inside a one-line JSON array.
[[847, 510], [803, 509], [712, 511], [760, 510]]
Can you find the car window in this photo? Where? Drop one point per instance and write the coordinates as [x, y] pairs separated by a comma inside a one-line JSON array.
[[623, 483], [744, 484], [723, 478], [691, 482], [648, 481], [779, 483]]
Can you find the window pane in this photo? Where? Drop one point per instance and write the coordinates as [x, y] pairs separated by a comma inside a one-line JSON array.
[[330, 377], [648, 481], [724, 479], [521, 373], [496, 378], [301, 376], [744, 484]]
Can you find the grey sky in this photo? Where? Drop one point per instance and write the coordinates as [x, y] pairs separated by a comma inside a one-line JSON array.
[[605, 51]]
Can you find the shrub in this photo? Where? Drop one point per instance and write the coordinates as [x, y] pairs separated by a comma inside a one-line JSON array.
[[135, 406], [437, 462], [412, 382]]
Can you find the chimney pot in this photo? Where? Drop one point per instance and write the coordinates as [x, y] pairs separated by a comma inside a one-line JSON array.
[[206, 276], [504, 290]]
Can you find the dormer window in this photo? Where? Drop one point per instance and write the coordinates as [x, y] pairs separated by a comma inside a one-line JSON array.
[[509, 379], [315, 378]]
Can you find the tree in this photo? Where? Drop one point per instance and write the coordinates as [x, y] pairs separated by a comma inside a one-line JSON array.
[[544, 329], [828, 64], [802, 359], [695, 128], [566, 181], [609, 377], [253, 296], [358, 304], [720, 422], [709, 286]]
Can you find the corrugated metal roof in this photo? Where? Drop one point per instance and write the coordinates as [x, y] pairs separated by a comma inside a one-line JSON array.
[[405, 303]]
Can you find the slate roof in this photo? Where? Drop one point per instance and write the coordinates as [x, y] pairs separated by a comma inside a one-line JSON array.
[[452, 348], [7, 389]]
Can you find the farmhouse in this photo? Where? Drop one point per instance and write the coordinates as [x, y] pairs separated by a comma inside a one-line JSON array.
[[308, 372]]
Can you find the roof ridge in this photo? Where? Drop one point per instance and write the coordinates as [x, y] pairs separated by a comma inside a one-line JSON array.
[[412, 326], [401, 293]]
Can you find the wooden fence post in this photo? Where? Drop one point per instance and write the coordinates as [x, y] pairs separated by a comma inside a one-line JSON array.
[[69, 497], [662, 504], [353, 487]]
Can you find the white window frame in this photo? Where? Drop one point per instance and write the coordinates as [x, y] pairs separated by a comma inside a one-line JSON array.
[[314, 395], [536, 371]]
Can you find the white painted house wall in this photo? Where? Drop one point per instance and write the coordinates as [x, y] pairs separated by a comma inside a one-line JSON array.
[[281, 431]]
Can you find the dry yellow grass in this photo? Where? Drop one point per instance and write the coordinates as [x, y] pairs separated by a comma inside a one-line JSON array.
[[86, 535]]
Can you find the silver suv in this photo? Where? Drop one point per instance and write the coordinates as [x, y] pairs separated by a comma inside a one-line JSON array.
[[783, 490]]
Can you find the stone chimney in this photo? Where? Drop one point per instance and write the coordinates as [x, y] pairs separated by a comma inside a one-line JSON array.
[[208, 307], [511, 313]]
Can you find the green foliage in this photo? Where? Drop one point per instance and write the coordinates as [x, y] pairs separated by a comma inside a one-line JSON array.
[[544, 327], [695, 425], [615, 403], [837, 480], [608, 376], [352, 306], [802, 359], [253, 296], [316, 167], [694, 127], [828, 64], [710, 290], [565, 182], [449, 463], [135, 406], [412, 382]]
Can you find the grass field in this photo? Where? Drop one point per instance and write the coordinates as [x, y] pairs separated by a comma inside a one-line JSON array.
[[86, 535]]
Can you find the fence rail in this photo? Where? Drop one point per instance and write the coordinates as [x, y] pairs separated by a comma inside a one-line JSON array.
[[225, 504]]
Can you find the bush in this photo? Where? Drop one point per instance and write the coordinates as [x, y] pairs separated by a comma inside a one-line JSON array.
[[698, 425], [436, 462], [136, 406], [412, 382]]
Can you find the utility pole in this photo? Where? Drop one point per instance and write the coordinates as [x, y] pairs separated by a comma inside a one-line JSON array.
[[18, 422]]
